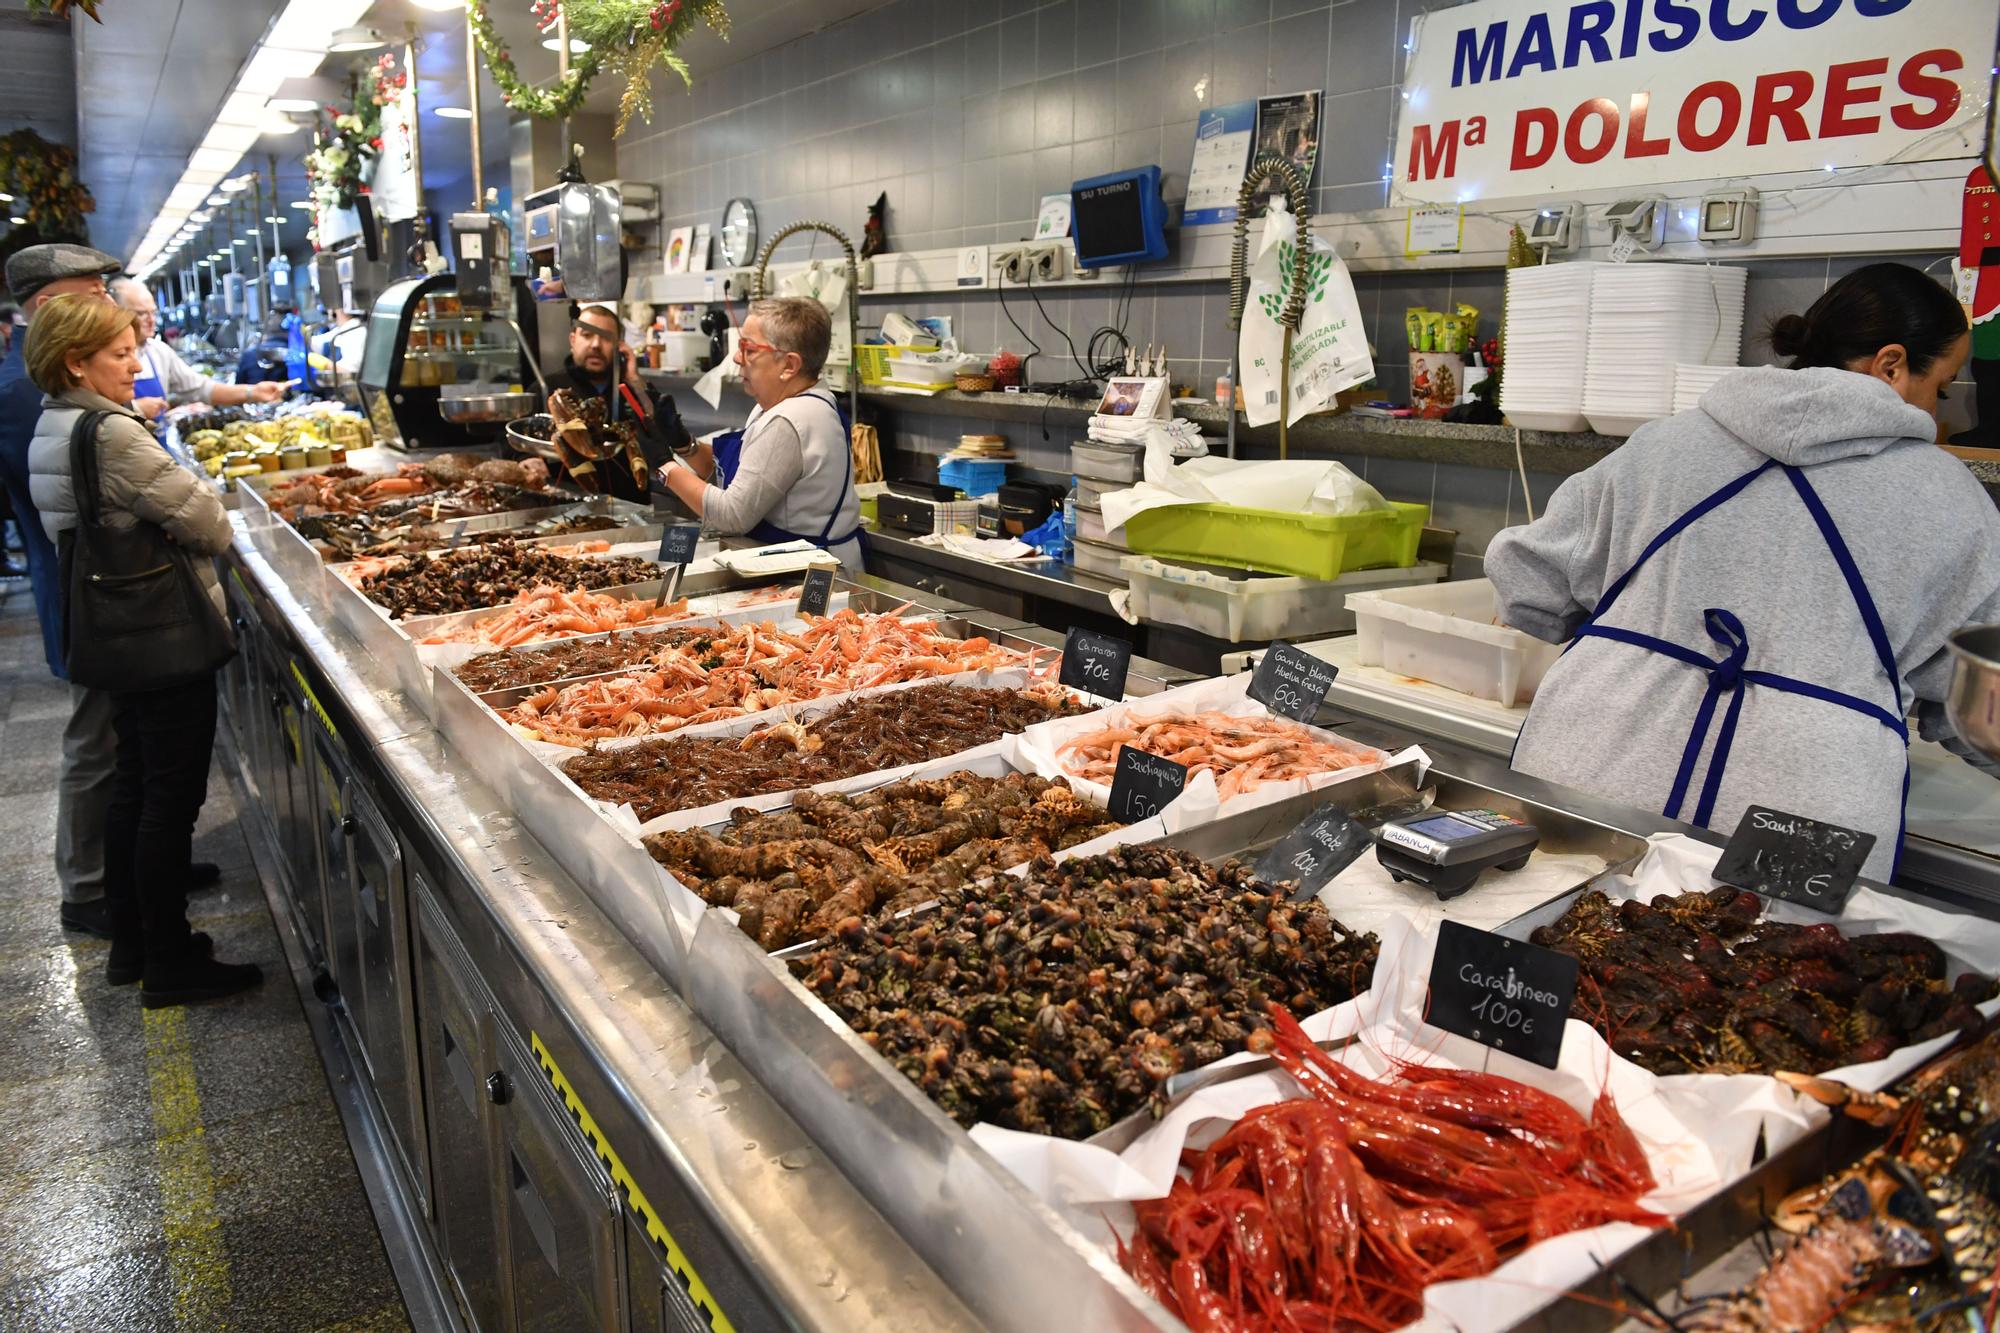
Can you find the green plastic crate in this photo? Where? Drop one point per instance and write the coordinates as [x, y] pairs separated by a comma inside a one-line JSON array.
[[1311, 546]]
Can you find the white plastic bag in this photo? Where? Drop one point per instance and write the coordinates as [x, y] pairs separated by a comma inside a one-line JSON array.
[[1330, 350]]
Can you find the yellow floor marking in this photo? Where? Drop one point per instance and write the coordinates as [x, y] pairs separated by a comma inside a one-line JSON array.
[[197, 1262], [388, 1319]]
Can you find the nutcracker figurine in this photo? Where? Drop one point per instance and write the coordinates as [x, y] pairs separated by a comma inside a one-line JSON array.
[[1979, 258]]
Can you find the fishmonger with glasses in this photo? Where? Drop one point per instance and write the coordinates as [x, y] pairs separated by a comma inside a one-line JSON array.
[[600, 363]]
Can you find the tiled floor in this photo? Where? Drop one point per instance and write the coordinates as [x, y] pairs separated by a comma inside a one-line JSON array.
[[184, 1170]]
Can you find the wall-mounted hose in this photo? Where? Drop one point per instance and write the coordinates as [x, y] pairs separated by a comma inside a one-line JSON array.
[[1269, 167], [760, 288]]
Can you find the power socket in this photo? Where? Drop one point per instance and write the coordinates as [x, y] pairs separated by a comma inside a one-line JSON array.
[[1012, 264], [1047, 260]]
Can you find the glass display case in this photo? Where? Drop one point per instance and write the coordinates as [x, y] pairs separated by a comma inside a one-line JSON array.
[[424, 344]]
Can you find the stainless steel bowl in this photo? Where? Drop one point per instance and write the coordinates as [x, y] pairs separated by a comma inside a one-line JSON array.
[[530, 435], [1973, 701], [487, 408]]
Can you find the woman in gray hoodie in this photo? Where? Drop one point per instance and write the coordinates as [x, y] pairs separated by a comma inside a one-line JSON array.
[[1757, 592], [83, 354]]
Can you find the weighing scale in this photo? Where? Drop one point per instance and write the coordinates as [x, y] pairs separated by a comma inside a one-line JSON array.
[[1446, 851]]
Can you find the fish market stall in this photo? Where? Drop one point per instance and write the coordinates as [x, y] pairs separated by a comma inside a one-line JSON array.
[[761, 965]]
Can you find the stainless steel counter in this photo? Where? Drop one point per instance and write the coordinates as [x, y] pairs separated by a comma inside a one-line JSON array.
[[949, 574], [753, 1213]]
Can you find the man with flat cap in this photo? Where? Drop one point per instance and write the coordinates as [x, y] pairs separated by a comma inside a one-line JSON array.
[[35, 276]]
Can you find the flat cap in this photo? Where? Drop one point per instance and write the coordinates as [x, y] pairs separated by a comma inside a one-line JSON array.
[[31, 269]]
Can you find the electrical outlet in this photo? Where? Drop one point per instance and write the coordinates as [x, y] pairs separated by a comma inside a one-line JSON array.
[[1011, 263], [864, 274], [1046, 260]]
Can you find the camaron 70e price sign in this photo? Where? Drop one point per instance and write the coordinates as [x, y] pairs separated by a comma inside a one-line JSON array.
[[1095, 663]]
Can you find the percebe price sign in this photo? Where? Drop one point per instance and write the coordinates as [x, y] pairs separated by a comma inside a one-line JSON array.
[[1291, 683], [1512, 996], [1791, 857], [1095, 663], [1325, 843], [1144, 784]]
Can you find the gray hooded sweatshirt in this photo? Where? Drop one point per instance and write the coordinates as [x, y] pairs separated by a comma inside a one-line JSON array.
[[1614, 719]]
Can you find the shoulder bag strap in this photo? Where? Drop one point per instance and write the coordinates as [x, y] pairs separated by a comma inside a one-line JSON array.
[[83, 464]]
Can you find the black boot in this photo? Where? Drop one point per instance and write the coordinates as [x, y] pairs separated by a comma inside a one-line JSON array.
[[127, 963], [189, 977], [1985, 432], [90, 918]]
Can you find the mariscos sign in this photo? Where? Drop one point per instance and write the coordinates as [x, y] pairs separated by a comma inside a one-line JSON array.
[[1517, 98]]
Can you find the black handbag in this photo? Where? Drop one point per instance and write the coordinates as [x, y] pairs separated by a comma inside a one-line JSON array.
[[135, 614]]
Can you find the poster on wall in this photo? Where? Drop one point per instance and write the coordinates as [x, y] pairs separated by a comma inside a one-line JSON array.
[[1509, 99], [679, 242], [1287, 127], [1222, 138]]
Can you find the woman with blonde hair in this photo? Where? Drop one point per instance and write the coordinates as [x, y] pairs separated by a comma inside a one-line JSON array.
[[82, 353]]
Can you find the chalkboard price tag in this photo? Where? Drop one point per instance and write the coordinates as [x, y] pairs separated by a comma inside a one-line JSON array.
[[1325, 843], [1507, 994], [1095, 663], [1144, 784], [1791, 857], [816, 594], [677, 543], [1291, 683]]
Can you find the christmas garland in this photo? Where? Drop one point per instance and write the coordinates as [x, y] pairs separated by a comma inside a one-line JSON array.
[[346, 142], [42, 178], [60, 8], [630, 36]]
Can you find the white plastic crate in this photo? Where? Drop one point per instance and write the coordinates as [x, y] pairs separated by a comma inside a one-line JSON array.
[[1255, 607], [1102, 561], [1445, 634]]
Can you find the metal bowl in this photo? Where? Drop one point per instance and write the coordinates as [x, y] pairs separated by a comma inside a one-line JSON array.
[[487, 408], [1973, 701], [530, 435]]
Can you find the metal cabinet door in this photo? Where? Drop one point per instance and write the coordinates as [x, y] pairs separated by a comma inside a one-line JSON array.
[[298, 839], [564, 1256], [330, 911], [377, 997], [235, 680], [657, 1295], [453, 1042]]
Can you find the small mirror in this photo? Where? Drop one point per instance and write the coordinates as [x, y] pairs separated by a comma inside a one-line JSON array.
[[739, 233]]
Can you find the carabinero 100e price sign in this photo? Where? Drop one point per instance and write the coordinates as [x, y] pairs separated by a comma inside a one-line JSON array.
[[1507, 994]]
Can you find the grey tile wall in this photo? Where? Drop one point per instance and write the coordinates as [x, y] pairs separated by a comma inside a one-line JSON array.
[[964, 112]]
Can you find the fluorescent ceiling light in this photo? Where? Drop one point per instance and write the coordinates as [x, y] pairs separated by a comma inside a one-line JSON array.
[[272, 64], [308, 25], [241, 109], [452, 112], [357, 38], [279, 124], [302, 203], [241, 241], [577, 46], [302, 105], [6, 198], [215, 160], [186, 195], [439, 6], [230, 139]]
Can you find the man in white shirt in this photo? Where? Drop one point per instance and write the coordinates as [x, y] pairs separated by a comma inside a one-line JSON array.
[[164, 378]]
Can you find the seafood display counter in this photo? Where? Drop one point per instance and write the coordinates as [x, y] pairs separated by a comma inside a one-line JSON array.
[[749, 970]]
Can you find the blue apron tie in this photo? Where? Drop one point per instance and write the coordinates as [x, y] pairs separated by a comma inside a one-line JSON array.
[[1728, 674], [148, 386]]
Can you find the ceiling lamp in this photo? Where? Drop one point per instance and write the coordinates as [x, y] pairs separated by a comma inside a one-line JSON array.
[[439, 6], [279, 124], [277, 219], [238, 184], [452, 112], [577, 46], [218, 199], [6, 198], [303, 204], [358, 38]]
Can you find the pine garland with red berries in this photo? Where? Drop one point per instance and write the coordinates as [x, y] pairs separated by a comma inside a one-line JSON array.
[[631, 37]]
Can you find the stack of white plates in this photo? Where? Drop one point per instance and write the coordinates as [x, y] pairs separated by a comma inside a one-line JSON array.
[[1548, 320], [1647, 319], [1691, 382]]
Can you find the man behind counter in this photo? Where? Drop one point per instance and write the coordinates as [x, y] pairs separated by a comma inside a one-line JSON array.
[[599, 363]]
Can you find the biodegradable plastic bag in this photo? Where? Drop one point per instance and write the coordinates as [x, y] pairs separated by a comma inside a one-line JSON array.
[[1330, 350]]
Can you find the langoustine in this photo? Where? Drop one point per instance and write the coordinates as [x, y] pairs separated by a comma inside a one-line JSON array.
[[1242, 752], [749, 669]]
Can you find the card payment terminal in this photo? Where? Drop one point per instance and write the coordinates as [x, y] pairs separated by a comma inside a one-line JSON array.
[[1446, 851]]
